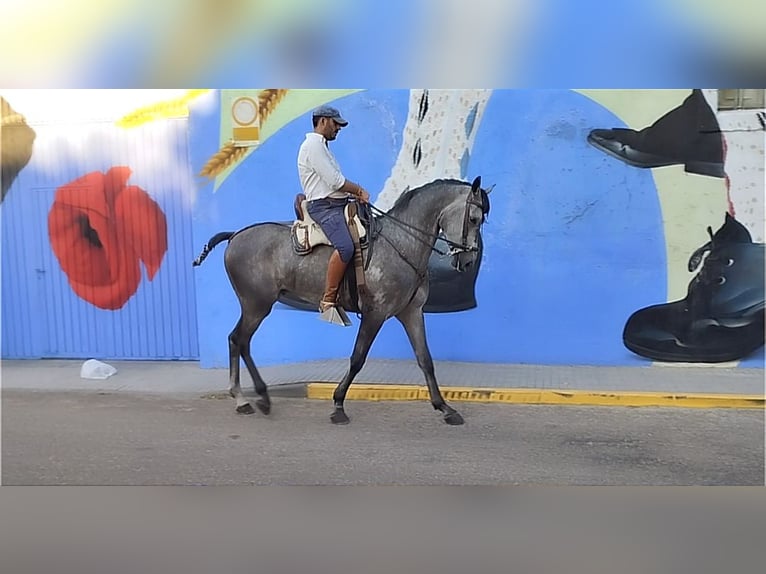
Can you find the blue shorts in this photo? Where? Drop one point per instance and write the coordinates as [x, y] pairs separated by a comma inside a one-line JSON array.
[[328, 213]]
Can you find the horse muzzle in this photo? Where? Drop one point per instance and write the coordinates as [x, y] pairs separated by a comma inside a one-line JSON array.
[[462, 259]]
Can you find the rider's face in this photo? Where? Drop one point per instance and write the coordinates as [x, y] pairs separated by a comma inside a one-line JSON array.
[[331, 128]]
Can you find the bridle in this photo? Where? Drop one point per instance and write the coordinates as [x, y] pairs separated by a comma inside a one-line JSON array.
[[454, 247], [463, 246]]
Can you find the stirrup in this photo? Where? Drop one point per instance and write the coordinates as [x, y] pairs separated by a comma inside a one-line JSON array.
[[334, 314]]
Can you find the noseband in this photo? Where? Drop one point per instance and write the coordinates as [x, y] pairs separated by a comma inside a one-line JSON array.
[[463, 246]]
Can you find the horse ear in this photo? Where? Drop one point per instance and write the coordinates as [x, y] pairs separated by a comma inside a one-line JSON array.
[[476, 185]]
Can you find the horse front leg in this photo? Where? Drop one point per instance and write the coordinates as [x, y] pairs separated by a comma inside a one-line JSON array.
[[368, 330], [414, 324]]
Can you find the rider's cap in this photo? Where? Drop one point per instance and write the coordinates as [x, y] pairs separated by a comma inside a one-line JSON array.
[[330, 112]]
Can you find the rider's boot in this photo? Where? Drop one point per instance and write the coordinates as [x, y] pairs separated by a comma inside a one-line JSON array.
[[328, 307]]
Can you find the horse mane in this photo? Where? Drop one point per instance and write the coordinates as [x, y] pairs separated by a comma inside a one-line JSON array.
[[404, 199]]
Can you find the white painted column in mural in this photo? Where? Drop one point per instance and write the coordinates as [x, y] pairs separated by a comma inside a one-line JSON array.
[[438, 138], [711, 97], [745, 138]]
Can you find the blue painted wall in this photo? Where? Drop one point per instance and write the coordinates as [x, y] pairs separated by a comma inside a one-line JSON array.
[[575, 241], [571, 249], [263, 189]]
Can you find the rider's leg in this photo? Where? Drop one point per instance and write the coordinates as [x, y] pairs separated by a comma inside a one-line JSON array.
[[335, 270], [336, 229], [331, 219]]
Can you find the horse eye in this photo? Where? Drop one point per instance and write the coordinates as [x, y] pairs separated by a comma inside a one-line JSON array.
[[473, 219]]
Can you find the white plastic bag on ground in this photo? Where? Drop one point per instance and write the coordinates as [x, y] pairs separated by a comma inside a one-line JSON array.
[[93, 369]]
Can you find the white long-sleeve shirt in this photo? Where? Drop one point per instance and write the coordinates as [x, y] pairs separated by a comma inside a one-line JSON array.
[[318, 169]]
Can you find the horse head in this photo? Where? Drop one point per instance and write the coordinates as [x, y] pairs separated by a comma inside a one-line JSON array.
[[460, 224]]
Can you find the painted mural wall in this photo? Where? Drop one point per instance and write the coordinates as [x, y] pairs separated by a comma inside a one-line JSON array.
[[600, 213], [627, 226], [96, 226]]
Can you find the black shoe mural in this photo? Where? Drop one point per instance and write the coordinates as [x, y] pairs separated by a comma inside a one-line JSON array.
[[722, 316], [450, 290], [688, 135]]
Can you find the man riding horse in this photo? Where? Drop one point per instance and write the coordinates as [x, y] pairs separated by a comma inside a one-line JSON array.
[[450, 210], [327, 193]]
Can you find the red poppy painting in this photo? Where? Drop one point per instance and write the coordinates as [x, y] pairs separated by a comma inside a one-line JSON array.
[[101, 230]]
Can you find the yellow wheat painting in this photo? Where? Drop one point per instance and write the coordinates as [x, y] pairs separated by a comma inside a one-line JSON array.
[[276, 109], [174, 108], [229, 155]]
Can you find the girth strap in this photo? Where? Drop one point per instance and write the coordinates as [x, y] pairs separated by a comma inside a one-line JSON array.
[[358, 260]]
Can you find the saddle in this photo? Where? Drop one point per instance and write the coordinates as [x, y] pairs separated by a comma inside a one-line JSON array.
[[306, 233]]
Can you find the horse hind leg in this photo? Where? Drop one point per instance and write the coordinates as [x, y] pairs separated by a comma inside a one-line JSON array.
[[235, 390], [239, 346], [264, 401]]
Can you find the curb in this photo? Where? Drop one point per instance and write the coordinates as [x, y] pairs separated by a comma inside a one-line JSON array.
[[520, 396]]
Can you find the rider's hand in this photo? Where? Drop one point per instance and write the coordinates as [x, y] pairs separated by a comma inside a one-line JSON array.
[[363, 196]]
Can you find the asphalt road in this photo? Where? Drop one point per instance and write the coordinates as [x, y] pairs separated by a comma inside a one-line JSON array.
[[85, 438]]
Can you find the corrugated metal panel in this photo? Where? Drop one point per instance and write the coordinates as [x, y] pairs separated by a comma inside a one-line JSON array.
[[22, 284], [44, 317]]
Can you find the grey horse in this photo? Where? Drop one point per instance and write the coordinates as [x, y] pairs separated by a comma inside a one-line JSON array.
[[261, 265]]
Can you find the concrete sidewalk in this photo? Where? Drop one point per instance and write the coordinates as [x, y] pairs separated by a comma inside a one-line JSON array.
[[399, 378]]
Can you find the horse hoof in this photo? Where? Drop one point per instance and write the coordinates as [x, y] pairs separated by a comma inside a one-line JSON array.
[[263, 406], [339, 418], [246, 409], [453, 419]]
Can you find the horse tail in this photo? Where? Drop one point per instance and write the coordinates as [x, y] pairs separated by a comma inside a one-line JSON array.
[[210, 245]]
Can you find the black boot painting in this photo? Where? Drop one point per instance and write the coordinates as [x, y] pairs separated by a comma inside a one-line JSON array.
[[450, 290], [688, 135], [722, 316]]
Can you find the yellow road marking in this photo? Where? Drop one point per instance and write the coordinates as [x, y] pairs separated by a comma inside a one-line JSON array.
[[383, 392]]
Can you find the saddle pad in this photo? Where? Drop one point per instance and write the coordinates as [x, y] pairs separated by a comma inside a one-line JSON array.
[[306, 233]]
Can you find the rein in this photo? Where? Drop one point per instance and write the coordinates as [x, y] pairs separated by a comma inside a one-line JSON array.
[[407, 227], [426, 238]]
